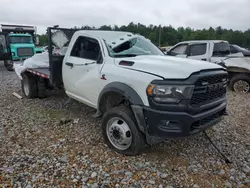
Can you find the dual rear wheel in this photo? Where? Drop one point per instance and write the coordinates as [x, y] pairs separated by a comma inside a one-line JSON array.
[[33, 87]]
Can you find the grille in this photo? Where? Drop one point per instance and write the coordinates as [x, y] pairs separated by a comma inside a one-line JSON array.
[[212, 79], [206, 120], [21, 52], [208, 89]]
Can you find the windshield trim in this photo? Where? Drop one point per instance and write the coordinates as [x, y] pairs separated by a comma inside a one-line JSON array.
[[109, 49], [30, 38]]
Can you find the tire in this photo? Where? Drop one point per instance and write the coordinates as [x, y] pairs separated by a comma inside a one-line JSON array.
[[8, 65], [237, 79], [29, 86], [41, 88], [125, 115]]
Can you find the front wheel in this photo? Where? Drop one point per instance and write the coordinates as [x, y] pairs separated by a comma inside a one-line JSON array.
[[8, 65], [120, 131], [240, 83]]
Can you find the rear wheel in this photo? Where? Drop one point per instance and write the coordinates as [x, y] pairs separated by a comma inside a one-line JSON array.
[[29, 86], [8, 65], [41, 86], [240, 83], [120, 131]]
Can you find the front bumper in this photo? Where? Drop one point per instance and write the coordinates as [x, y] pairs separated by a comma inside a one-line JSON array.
[[166, 124], [161, 125]]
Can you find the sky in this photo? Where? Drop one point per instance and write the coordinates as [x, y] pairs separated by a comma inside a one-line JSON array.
[[197, 14]]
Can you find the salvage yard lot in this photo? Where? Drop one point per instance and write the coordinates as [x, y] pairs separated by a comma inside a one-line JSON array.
[[38, 147]]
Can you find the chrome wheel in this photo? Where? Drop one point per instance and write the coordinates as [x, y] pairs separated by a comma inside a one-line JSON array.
[[26, 87], [119, 133], [241, 86]]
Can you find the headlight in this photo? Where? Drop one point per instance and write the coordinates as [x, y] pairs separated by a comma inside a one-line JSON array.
[[170, 93]]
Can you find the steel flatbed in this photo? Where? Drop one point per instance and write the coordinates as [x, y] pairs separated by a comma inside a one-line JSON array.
[[43, 72]]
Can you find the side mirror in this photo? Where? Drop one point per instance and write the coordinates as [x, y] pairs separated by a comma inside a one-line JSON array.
[[37, 40], [168, 53]]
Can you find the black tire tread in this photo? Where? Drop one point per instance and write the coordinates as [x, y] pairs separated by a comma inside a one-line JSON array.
[[41, 89], [138, 143], [236, 77], [32, 85], [8, 67]]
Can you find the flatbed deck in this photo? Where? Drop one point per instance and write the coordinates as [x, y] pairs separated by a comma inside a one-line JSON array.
[[43, 72]]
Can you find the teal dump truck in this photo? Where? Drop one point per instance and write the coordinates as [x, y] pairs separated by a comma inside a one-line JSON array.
[[22, 40]]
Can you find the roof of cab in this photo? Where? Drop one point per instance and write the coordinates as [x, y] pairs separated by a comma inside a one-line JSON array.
[[113, 38]]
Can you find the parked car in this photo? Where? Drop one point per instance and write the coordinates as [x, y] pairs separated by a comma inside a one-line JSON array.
[[220, 52], [142, 96]]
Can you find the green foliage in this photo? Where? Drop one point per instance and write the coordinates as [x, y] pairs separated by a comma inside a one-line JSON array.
[[43, 40], [171, 36]]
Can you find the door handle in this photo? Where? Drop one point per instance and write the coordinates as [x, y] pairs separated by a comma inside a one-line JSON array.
[[89, 63], [204, 59], [69, 64]]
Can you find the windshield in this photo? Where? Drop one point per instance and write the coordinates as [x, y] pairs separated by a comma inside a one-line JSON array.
[[20, 39], [221, 49], [134, 47]]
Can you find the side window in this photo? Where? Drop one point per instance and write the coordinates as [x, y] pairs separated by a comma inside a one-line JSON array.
[[221, 49], [86, 48], [179, 50], [198, 49]]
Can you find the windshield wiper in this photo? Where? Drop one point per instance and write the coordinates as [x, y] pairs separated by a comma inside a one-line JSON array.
[[125, 55]]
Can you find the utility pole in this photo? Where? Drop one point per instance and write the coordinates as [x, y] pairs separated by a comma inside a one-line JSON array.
[[160, 36]]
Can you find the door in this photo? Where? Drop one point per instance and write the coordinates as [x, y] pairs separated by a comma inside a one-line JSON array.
[[5, 52], [81, 70], [220, 51], [198, 51]]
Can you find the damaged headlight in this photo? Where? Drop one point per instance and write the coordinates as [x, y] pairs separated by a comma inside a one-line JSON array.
[[170, 93]]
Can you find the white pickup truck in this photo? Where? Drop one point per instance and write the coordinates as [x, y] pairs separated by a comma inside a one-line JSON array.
[[233, 57], [143, 96]]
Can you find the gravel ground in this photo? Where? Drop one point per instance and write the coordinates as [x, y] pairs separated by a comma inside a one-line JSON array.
[[39, 149]]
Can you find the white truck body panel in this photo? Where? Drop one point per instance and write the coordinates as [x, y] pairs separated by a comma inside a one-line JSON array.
[[238, 60], [146, 68], [169, 67]]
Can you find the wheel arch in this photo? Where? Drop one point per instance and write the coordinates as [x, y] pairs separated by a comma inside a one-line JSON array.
[[116, 90], [237, 70]]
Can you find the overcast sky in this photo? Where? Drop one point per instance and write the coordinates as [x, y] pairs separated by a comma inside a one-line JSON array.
[[197, 14]]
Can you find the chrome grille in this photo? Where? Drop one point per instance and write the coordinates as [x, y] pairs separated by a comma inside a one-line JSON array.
[[22, 52]]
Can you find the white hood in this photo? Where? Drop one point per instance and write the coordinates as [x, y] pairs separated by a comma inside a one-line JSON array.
[[167, 66]]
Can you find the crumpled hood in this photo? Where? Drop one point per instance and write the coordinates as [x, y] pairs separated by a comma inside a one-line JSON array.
[[167, 66]]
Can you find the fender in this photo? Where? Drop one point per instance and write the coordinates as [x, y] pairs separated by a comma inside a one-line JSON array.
[[122, 89]]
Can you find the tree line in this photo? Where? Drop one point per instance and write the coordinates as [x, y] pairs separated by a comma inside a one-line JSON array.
[[169, 35]]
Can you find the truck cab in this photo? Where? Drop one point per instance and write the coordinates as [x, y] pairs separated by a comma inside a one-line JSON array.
[[205, 50], [22, 46], [22, 40]]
